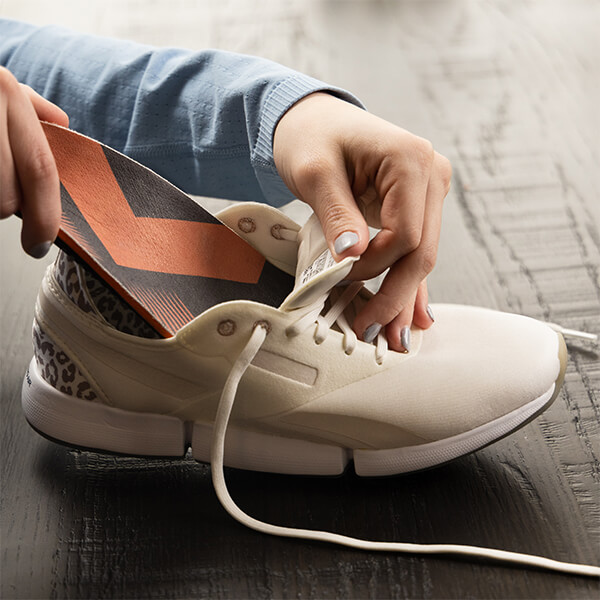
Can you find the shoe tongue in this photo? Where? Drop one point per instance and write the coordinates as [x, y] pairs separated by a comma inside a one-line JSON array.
[[316, 270]]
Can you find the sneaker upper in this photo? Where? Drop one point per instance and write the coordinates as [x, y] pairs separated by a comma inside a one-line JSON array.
[[472, 366]]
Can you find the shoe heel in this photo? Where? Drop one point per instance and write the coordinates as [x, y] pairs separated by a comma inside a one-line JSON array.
[[95, 426]]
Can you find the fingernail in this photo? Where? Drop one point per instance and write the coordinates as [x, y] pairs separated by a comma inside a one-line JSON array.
[[371, 332], [40, 250], [430, 313], [344, 241], [405, 338]]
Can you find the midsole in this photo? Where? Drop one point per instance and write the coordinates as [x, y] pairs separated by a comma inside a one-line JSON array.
[[97, 426], [424, 456]]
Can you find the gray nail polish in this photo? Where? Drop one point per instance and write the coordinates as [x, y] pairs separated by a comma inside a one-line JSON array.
[[40, 250], [405, 338], [344, 241], [371, 332], [430, 313]]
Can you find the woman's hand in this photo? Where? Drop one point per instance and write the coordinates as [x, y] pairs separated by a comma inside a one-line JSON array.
[[29, 181], [355, 169]]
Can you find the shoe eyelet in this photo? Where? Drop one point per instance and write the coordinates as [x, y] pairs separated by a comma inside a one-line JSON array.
[[276, 231], [247, 225], [264, 324], [226, 327]]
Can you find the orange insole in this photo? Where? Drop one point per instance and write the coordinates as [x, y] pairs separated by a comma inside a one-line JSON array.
[[165, 255]]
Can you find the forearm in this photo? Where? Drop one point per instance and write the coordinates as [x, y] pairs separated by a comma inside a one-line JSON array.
[[204, 120]]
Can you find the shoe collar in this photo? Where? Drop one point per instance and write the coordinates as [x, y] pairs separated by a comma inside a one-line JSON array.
[[299, 251]]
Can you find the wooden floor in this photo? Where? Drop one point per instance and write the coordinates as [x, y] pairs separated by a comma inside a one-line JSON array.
[[509, 91]]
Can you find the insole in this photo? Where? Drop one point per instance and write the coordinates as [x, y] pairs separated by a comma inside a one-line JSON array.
[[165, 255]]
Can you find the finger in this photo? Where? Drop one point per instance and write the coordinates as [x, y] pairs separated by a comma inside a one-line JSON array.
[[37, 175], [423, 316], [46, 110], [10, 193], [417, 312], [398, 329], [405, 276], [403, 188], [325, 187]]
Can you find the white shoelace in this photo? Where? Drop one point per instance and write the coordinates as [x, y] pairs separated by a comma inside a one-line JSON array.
[[573, 333], [312, 314], [218, 449]]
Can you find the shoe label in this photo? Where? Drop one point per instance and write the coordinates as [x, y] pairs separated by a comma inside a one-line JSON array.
[[323, 262]]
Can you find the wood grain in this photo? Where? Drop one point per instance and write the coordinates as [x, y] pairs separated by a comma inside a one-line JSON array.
[[509, 92]]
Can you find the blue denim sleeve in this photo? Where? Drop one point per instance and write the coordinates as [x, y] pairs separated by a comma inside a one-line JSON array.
[[203, 120]]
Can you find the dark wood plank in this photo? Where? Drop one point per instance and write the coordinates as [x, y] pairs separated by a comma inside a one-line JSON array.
[[509, 92]]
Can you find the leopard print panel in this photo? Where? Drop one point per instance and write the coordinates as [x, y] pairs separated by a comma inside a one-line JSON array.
[[67, 274], [116, 311], [58, 369], [94, 296]]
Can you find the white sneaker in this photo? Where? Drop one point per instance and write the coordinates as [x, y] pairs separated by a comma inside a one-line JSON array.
[[313, 399], [288, 389]]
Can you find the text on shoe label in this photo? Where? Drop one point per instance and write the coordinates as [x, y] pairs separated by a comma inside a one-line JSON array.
[[323, 262]]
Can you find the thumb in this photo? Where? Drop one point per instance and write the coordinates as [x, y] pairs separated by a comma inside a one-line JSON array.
[[46, 110], [343, 224]]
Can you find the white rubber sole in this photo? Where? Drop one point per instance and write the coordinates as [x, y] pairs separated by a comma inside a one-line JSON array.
[[96, 426]]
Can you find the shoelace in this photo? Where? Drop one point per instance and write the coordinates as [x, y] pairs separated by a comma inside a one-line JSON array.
[[312, 314], [335, 314], [573, 333]]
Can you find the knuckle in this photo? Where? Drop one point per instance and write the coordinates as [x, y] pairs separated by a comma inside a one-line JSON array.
[[8, 205], [333, 213], [444, 169], [8, 83], [10, 196], [389, 304], [422, 155], [411, 239], [310, 172], [427, 260], [41, 167]]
